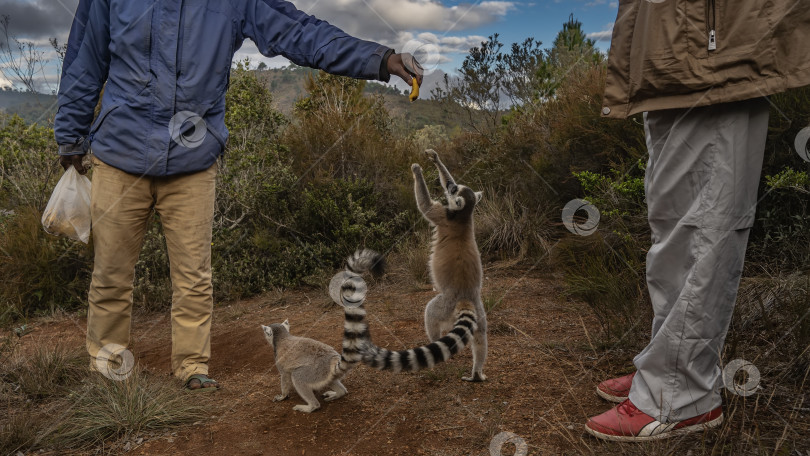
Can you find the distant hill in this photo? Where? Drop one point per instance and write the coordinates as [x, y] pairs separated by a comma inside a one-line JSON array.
[[32, 107], [286, 85]]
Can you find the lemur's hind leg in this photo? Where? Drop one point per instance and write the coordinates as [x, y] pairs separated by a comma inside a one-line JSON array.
[[306, 393], [338, 391], [479, 351]]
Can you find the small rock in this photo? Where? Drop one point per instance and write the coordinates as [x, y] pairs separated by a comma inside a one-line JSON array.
[[570, 427], [139, 441]]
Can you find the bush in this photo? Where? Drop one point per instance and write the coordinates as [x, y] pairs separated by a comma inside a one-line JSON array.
[[329, 222], [28, 169], [780, 239], [508, 229], [40, 273], [605, 273], [152, 288]]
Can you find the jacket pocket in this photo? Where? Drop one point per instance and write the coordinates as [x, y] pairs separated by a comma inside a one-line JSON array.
[[101, 117], [743, 28]]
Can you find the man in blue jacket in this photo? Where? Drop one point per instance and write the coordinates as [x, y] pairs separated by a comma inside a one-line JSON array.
[[159, 133]]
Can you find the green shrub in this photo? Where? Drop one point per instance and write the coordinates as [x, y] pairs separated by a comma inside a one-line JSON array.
[[152, 288], [606, 273], [327, 223], [606, 269], [40, 273], [28, 169], [780, 239]]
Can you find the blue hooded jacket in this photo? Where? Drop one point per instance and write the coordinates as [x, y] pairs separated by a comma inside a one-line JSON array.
[[166, 65]]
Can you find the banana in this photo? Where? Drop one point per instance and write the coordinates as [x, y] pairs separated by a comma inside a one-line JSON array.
[[414, 90]]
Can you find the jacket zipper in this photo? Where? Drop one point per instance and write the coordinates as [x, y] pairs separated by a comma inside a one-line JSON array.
[[711, 21]]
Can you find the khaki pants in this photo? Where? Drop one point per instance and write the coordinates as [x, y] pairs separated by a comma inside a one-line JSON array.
[[701, 187], [121, 204]]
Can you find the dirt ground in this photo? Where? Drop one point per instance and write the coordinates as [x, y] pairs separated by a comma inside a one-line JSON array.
[[544, 362]]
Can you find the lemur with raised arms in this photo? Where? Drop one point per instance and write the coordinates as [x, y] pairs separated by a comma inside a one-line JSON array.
[[455, 268]]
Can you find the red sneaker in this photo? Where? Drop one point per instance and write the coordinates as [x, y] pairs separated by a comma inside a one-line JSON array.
[[615, 389], [626, 423]]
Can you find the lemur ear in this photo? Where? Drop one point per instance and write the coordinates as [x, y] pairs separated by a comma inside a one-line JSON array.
[[286, 325], [478, 196], [267, 330]]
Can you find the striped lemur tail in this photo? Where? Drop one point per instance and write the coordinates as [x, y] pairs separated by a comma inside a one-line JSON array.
[[357, 344]]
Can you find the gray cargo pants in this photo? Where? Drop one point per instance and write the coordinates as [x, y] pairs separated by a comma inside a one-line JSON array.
[[701, 186]]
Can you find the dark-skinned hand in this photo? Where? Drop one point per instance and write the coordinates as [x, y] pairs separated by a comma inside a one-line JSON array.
[[397, 66], [72, 160]]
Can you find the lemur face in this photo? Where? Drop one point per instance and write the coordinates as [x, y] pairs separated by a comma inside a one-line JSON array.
[[461, 196]]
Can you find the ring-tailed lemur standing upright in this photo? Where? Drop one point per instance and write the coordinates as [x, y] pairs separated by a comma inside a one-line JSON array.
[[455, 263], [455, 267]]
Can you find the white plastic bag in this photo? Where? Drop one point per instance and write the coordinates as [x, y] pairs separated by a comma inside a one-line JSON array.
[[68, 210]]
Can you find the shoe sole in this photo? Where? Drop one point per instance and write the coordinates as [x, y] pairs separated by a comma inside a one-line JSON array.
[[664, 435], [609, 397]]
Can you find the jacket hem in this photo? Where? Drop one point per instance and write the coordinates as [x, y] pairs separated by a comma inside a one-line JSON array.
[[727, 94]]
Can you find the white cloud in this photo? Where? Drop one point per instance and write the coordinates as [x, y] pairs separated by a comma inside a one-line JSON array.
[[603, 35], [4, 82], [388, 21], [423, 27]]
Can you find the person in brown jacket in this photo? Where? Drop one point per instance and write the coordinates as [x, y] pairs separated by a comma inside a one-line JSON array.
[[700, 71]]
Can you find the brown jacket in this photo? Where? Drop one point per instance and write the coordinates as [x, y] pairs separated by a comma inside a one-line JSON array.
[[660, 56]]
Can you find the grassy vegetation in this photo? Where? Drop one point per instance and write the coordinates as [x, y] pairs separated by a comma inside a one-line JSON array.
[[51, 400]]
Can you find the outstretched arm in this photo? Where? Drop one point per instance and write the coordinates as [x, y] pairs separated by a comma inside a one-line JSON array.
[[279, 28], [444, 175], [430, 209]]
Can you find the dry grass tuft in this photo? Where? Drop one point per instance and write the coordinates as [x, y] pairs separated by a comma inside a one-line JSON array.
[[106, 410]]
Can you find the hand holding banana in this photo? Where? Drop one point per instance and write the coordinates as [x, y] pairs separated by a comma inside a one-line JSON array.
[[406, 67]]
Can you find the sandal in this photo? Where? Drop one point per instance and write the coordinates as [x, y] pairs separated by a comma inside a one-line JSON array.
[[201, 380]]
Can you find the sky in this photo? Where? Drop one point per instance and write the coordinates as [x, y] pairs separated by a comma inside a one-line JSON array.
[[439, 32]]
